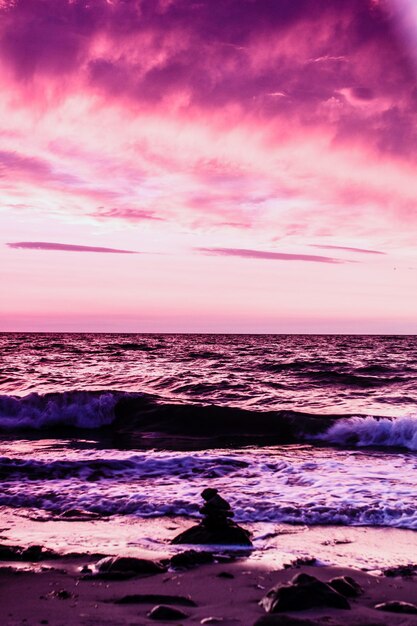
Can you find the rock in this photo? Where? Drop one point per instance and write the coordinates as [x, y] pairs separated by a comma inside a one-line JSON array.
[[303, 592], [190, 558], [232, 534], [162, 612], [37, 553], [32, 553], [62, 594], [402, 570], [217, 526], [152, 598], [397, 606], [114, 567], [212, 620], [347, 586], [78, 515], [301, 562], [225, 575]]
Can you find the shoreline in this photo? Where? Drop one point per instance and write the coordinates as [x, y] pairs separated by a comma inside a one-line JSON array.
[[59, 591], [370, 548], [56, 592]]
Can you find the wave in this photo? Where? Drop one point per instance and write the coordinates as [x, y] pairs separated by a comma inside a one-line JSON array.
[[73, 409], [322, 372], [269, 509], [137, 420], [142, 347], [137, 467], [300, 365], [353, 380], [400, 432], [144, 419]]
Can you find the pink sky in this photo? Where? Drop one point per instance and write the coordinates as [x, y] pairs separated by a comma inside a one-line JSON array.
[[184, 165]]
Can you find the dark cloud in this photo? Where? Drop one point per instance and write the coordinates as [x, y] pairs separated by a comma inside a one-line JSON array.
[[347, 248], [233, 52], [64, 247], [269, 256]]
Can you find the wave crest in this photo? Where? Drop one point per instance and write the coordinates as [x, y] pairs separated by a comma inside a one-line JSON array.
[[74, 409], [400, 432]]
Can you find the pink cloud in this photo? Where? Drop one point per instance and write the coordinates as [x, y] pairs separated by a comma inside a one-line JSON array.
[[270, 256], [347, 248], [64, 247], [131, 215]]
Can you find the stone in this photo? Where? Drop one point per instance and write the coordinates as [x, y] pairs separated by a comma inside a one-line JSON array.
[[62, 594], [216, 527], [162, 612], [31, 553], [402, 570], [190, 559], [397, 606], [347, 586], [126, 567], [303, 592], [301, 562], [78, 515], [232, 534], [152, 598]]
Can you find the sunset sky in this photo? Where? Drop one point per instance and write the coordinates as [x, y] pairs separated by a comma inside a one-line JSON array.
[[208, 165]]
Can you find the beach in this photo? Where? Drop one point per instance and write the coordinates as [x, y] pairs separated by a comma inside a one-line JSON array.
[[62, 591], [108, 442], [60, 585]]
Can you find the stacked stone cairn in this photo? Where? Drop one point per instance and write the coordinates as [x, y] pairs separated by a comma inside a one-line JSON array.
[[217, 526]]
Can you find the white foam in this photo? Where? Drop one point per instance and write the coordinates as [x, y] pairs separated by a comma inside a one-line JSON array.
[[296, 484], [399, 432], [73, 408]]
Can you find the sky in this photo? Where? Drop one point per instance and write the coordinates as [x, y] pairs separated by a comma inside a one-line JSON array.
[[208, 166]]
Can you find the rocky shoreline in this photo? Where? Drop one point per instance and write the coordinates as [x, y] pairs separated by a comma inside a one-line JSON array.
[[40, 586]]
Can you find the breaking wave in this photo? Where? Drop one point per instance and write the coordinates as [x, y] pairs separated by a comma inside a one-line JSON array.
[[400, 432]]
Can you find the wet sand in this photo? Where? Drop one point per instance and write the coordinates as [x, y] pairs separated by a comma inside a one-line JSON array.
[[57, 595], [55, 591]]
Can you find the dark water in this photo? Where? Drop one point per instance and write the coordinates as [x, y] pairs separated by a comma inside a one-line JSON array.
[[318, 374], [304, 429]]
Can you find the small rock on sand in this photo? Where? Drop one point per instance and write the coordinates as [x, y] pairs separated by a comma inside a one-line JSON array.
[[396, 606], [113, 567], [303, 592], [151, 598], [346, 585], [162, 612]]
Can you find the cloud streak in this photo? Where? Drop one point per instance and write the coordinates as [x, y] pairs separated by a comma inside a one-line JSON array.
[[65, 247], [346, 248], [270, 256]]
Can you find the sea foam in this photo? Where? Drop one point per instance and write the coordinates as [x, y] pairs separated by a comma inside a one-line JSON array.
[[399, 432]]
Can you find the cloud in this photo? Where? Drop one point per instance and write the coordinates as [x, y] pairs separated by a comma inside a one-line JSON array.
[[130, 215], [347, 248], [65, 247], [269, 256], [183, 56]]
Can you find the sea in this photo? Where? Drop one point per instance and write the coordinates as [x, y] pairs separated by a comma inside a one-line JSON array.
[[300, 430]]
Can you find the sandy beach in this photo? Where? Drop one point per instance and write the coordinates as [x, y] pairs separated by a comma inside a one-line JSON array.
[[57, 594], [68, 589]]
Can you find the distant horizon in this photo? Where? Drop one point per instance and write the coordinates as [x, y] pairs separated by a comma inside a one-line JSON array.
[[179, 332]]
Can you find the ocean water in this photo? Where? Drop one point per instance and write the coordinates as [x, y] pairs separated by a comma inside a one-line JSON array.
[[310, 430]]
